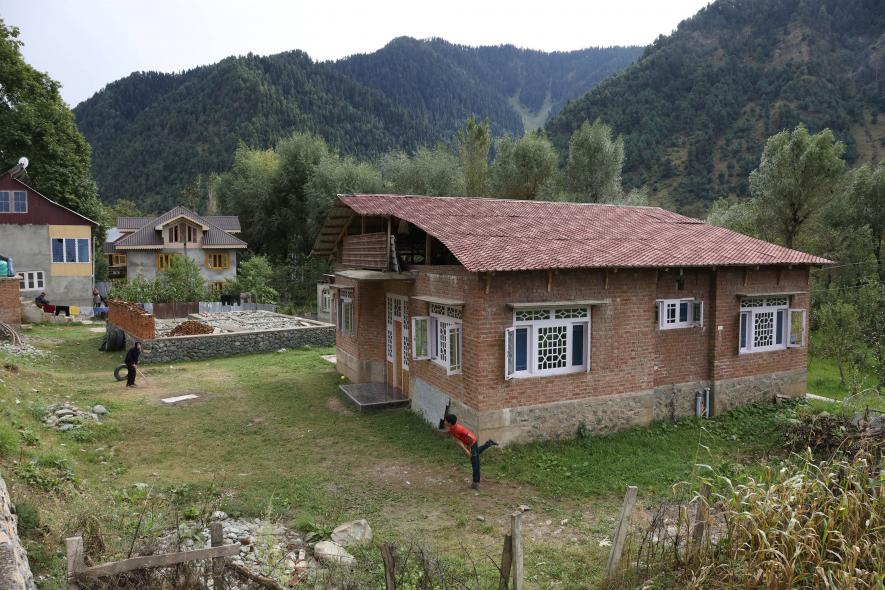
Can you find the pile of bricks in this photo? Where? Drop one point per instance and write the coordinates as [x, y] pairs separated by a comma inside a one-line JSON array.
[[191, 328]]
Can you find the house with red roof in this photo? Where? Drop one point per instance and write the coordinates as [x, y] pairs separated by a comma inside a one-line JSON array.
[[530, 320], [144, 246]]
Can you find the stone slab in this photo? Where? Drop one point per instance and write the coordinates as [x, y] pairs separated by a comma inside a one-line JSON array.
[[330, 358], [177, 399]]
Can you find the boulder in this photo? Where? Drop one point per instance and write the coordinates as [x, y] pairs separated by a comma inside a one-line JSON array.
[[99, 410], [352, 533], [330, 552]]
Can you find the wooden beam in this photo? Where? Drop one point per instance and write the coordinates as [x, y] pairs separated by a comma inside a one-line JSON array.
[[163, 560], [746, 276], [489, 282], [549, 280], [702, 514], [606, 279], [74, 553], [506, 563], [614, 559], [516, 549], [341, 234], [427, 249], [216, 537]]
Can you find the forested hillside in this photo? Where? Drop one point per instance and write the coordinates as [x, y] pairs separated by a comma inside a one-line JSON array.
[[517, 89], [153, 133], [696, 108]]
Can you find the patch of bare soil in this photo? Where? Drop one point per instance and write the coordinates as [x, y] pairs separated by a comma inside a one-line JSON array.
[[334, 404]]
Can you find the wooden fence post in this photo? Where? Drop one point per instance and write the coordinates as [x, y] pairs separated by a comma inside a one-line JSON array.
[[388, 556], [614, 559], [701, 516], [506, 563], [74, 552], [216, 536], [516, 550]]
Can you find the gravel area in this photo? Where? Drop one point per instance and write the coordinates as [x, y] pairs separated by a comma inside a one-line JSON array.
[[251, 321]]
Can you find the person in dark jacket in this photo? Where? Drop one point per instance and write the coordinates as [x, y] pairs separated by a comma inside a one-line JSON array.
[[132, 363]]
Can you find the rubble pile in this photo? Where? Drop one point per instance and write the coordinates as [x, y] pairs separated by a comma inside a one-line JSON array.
[[191, 328], [67, 416]]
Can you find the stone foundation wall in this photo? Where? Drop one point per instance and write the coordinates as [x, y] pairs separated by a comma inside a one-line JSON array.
[[611, 413], [359, 371], [15, 572], [10, 306], [193, 348]]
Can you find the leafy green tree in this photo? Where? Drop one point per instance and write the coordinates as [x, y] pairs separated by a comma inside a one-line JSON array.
[[333, 176], [435, 172], [35, 122], [121, 208], [839, 333], [181, 281], [866, 194], [255, 276], [524, 168], [594, 163], [245, 190], [192, 194], [736, 214], [871, 309], [799, 172], [474, 143]]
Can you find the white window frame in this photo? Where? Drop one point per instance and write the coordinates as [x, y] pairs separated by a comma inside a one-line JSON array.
[[694, 313], [345, 317], [533, 325], [64, 251], [444, 338], [326, 299], [778, 305], [31, 280]]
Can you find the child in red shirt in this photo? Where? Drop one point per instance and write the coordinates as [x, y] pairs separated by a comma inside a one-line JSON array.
[[468, 442]]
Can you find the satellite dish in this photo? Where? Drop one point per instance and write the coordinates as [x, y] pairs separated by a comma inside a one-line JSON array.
[[23, 161]]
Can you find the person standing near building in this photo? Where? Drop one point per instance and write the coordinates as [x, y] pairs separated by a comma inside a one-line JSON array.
[[468, 442], [132, 363]]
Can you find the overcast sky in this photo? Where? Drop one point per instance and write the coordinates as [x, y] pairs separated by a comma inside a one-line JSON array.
[[86, 44]]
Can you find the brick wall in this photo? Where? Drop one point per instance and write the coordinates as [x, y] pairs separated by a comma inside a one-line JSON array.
[[10, 306], [628, 353], [132, 319]]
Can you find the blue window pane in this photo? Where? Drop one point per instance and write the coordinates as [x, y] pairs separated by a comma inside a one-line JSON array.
[[522, 349], [21, 202], [779, 330], [70, 250], [683, 311], [83, 250], [58, 250], [578, 344], [4, 202], [744, 330]]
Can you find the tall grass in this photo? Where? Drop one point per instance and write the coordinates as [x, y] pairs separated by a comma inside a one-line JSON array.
[[808, 524]]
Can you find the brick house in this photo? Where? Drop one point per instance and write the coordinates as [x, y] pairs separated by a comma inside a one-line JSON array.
[[144, 245], [528, 319]]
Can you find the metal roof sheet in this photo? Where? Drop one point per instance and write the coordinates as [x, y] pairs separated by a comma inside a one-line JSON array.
[[506, 235]]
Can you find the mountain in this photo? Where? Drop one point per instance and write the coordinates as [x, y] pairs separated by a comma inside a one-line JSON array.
[[517, 89], [153, 133], [696, 108]]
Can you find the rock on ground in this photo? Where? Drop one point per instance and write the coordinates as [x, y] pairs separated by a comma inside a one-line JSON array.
[[352, 533], [330, 552]]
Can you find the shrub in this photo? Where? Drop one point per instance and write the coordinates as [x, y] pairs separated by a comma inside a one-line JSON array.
[[254, 276]]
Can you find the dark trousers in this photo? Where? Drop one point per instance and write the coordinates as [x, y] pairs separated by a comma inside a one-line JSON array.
[[475, 452], [130, 374]]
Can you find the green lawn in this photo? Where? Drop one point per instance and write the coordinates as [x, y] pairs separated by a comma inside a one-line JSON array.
[[824, 380], [269, 430]]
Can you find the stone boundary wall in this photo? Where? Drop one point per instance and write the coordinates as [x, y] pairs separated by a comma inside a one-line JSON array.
[[15, 572], [10, 306], [207, 346], [132, 320]]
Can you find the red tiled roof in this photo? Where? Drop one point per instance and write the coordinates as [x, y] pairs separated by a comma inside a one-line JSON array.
[[505, 235]]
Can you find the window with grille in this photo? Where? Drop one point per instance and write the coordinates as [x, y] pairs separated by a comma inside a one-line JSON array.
[[547, 341], [768, 323], [438, 337], [345, 312]]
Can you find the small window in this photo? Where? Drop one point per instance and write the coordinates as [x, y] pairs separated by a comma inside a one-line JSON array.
[[4, 202], [116, 260], [191, 233], [173, 233], [217, 261], [31, 280], [345, 315], [20, 202], [797, 328], [420, 340], [438, 338], [70, 250], [164, 260], [768, 323], [679, 313]]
